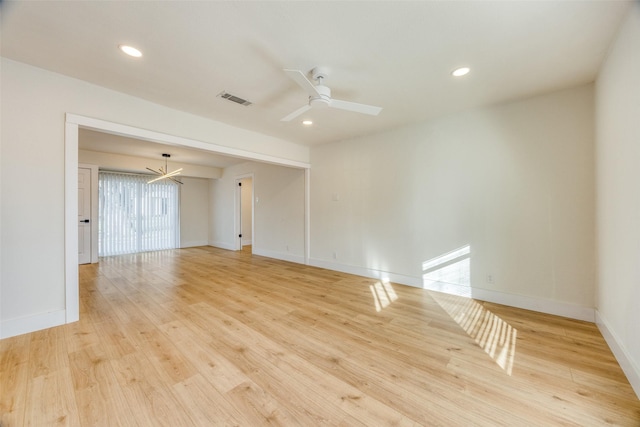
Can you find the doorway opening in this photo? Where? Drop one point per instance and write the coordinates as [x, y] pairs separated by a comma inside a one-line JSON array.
[[73, 123], [244, 213]]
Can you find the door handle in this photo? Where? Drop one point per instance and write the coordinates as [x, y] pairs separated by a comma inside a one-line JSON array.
[[84, 220]]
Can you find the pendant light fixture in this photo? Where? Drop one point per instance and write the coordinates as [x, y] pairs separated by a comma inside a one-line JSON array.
[[164, 173]]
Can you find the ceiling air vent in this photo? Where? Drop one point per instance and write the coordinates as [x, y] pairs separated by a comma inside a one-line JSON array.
[[234, 98]]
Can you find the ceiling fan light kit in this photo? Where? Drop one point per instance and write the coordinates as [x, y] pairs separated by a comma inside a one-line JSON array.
[[323, 99], [163, 173], [320, 95]]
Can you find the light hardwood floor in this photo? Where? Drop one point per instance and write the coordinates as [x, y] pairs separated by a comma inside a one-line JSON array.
[[201, 336]]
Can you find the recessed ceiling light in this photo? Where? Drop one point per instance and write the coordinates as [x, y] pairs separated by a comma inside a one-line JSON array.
[[131, 51], [307, 122], [459, 72]]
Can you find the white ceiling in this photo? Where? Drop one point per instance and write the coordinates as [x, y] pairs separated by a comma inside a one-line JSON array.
[[394, 54]]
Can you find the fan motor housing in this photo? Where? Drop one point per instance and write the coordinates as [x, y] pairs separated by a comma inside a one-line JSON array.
[[323, 99]]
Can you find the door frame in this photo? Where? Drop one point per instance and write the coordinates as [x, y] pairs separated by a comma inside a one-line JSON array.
[[237, 222], [73, 123]]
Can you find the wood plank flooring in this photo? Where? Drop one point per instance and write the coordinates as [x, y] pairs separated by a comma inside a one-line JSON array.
[[202, 337]]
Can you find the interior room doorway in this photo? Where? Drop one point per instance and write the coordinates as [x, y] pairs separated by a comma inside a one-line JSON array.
[[244, 212], [73, 123]]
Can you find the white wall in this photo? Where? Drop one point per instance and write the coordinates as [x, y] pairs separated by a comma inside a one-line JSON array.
[[221, 213], [278, 211], [33, 107], [515, 182], [618, 197], [194, 212]]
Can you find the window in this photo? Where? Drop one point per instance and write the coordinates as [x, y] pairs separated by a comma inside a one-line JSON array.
[[135, 216]]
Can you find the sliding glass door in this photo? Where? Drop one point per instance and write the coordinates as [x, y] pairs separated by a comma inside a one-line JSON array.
[[135, 216]]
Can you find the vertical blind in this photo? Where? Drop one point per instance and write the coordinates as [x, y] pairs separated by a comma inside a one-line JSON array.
[[135, 216]]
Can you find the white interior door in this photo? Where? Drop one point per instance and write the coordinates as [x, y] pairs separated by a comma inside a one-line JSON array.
[[84, 216]]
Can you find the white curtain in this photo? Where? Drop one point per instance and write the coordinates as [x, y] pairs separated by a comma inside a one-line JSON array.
[[136, 216]]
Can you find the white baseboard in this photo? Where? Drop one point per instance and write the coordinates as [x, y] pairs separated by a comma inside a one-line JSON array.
[[246, 242], [626, 362], [223, 245], [541, 305], [24, 325], [193, 244], [284, 256], [366, 272]]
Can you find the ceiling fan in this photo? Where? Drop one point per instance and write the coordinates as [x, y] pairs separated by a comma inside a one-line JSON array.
[[320, 95]]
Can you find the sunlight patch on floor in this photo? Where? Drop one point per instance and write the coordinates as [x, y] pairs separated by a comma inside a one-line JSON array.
[[495, 336], [383, 294]]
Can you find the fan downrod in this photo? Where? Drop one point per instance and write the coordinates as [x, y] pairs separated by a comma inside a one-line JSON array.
[[319, 74]]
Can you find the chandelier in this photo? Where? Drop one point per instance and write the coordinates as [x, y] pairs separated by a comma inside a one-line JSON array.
[[164, 172]]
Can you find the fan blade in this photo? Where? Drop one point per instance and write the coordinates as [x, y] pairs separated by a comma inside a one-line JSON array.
[[354, 106], [299, 77], [296, 113]]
